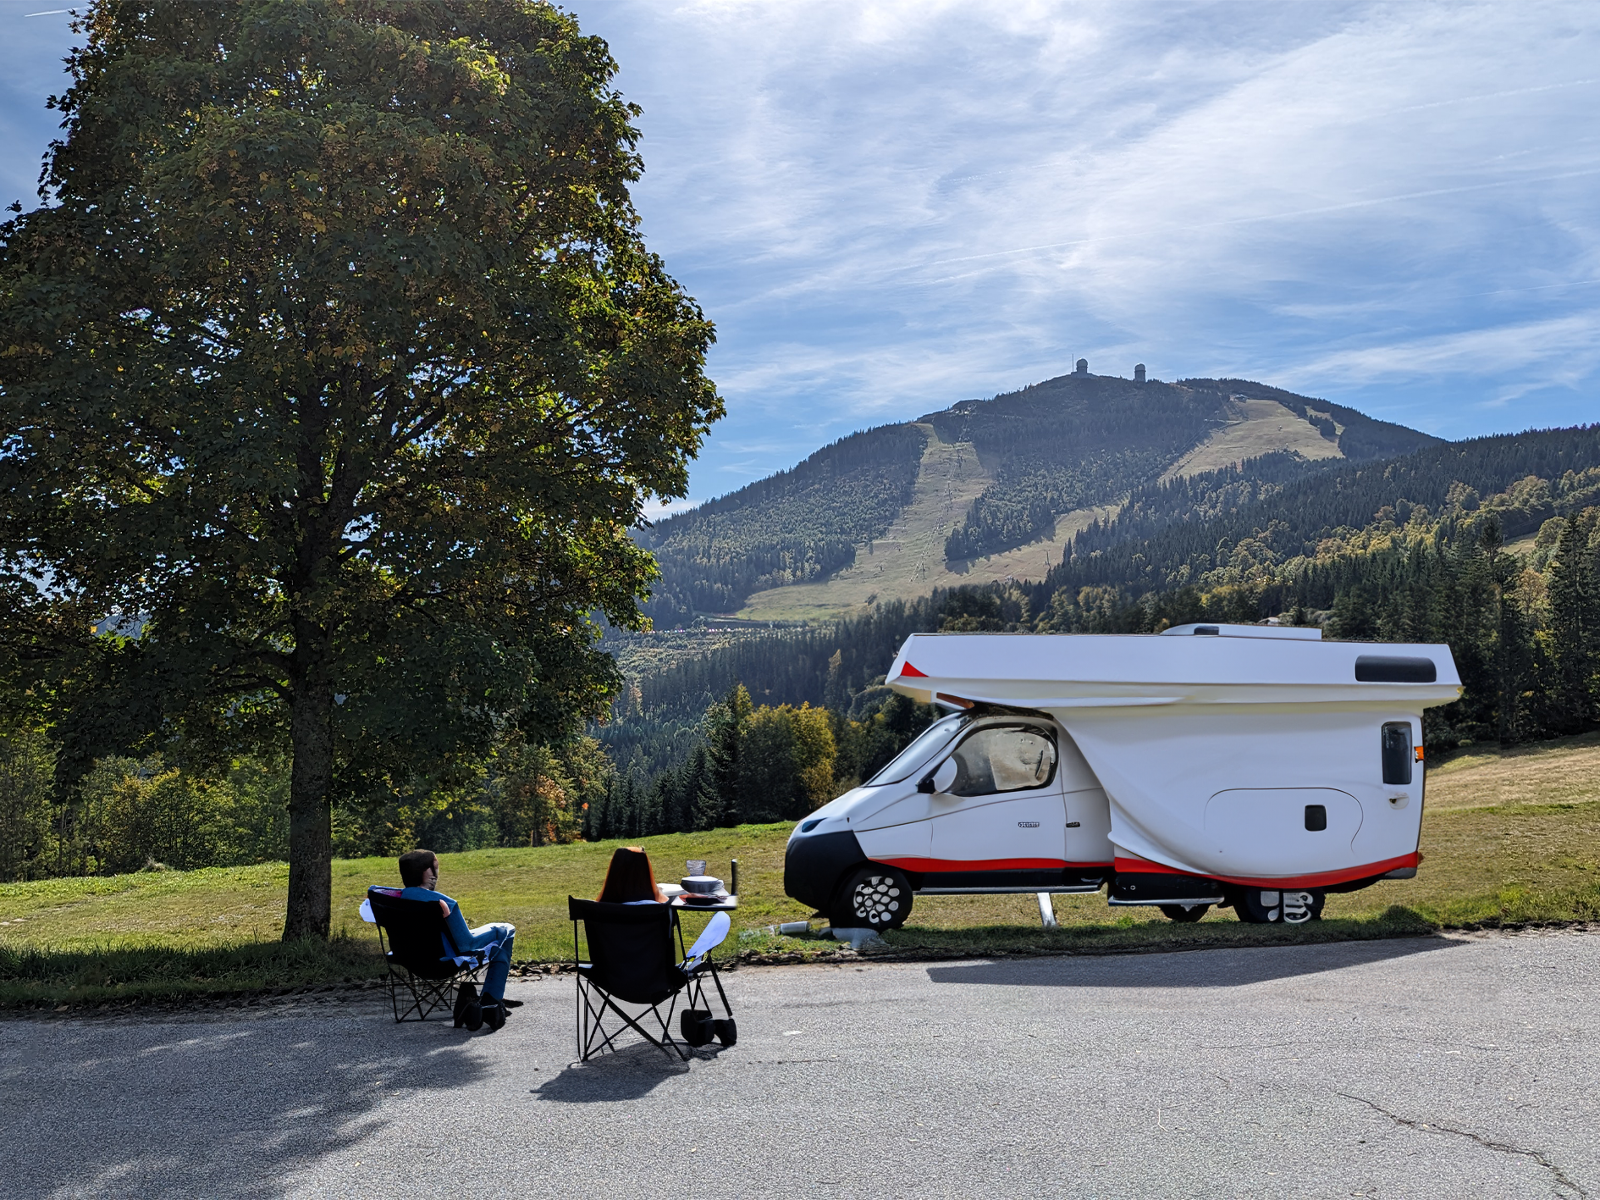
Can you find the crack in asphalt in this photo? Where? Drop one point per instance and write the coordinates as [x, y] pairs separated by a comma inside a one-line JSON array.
[[1562, 1179]]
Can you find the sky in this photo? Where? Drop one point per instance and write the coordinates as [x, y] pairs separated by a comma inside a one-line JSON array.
[[889, 207]]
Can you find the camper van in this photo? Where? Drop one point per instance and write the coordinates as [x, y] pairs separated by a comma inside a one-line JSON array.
[[1252, 766]]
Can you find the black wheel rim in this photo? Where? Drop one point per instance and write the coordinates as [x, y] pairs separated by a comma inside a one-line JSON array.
[[877, 899]]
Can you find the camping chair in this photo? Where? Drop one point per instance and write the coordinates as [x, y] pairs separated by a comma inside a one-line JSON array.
[[632, 960], [415, 952]]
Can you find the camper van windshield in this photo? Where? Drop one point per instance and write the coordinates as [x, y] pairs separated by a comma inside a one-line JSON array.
[[932, 740]]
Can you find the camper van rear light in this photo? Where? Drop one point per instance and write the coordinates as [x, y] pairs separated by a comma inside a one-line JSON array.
[[958, 701], [1419, 753], [1395, 668], [908, 671]]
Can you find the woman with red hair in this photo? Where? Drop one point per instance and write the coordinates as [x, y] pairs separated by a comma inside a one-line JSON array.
[[629, 880]]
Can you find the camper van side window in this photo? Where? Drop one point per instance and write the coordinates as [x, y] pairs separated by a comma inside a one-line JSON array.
[[1003, 758], [1397, 752]]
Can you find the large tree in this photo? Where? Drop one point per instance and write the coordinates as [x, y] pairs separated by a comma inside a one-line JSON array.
[[335, 355]]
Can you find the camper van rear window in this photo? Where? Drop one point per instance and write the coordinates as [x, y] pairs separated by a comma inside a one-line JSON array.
[[1395, 668], [1397, 752]]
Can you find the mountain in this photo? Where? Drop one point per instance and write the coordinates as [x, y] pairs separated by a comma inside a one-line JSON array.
[[986, 490]]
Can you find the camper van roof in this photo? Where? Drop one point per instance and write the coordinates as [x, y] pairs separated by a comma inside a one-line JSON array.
[[1294, 633], [1259, 666]]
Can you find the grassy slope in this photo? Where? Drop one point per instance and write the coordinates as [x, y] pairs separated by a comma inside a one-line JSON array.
[[908, 561], [1259, 427], [1508, 837]]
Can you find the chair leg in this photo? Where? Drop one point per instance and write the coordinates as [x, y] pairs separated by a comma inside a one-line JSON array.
[[590, 1024], [716, 978], [595, 1039]]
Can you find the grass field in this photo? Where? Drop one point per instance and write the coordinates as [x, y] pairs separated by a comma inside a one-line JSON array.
[[1509, 837]]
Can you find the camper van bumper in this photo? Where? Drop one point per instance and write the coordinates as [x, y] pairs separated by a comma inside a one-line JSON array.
[[812, 865]]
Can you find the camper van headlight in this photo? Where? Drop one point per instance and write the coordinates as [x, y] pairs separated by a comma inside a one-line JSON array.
[[808, 826]]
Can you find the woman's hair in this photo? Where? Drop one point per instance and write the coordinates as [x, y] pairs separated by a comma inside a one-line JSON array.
[[630, 878], [413, 863]]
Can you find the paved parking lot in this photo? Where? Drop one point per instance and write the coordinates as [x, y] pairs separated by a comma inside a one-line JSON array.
[[1436, 1067]]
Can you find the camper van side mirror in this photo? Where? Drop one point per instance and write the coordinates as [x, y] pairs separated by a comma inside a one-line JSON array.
[[941, 779]]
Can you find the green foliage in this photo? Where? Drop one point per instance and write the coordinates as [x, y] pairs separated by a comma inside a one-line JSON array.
[[1221, 528], [129, 815], [793, 527], [887, 723], [785, 764], [338, 358], [27, 768], [754, 764]]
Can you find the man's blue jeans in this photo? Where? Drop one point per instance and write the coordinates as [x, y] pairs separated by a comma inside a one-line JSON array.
[[494, 983]]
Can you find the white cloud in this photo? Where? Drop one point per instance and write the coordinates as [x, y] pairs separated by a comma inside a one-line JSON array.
[[1563, 350], [889, 207]]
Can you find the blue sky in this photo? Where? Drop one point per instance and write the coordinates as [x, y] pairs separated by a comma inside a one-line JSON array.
[[889, 207]]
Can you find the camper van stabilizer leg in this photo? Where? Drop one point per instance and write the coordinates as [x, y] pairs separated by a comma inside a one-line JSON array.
[[1047, 911]]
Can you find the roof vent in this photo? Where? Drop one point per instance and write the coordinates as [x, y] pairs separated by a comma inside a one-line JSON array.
[[1395, 668]]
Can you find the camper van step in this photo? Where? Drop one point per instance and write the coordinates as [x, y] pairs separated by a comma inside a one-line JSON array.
[[1077, 889], [1164, 900]]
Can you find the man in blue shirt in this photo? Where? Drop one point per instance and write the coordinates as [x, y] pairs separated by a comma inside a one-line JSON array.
[[419, 871]]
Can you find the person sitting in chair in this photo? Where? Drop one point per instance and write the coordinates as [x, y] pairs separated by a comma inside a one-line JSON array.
[[419, 871], [629, 879]]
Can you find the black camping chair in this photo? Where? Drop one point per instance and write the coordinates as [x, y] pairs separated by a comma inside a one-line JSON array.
[[632, 960], [415, 951]]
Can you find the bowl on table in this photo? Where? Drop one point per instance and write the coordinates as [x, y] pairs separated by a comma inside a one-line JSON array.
[[703, 889]]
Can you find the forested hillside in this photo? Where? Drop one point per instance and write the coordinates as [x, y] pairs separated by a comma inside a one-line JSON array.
[[792, 527], [1213, 529], [1082, 440], [1059, 447]]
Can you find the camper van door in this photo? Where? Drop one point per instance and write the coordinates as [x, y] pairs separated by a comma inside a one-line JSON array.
[[1004, 813]]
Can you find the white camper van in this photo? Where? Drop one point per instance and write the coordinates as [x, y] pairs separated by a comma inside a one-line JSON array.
[[1246, 765]]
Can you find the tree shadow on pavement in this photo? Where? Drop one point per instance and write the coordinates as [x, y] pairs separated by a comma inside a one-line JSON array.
[[626, 1074], [1189, 969], [215, 1107]]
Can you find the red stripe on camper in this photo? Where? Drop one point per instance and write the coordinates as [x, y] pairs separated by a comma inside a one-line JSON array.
[[1146, 867], [936, 865], [909, 670], [1323, 879]]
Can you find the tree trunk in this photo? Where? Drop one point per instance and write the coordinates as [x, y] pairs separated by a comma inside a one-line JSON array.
[[310, 812]]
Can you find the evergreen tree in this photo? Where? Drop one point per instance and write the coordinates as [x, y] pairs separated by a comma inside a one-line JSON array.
[[725, 725], [1352, 619], [1574, 625]]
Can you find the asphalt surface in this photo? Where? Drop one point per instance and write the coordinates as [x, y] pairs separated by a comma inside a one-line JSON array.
[[1438, 1067]]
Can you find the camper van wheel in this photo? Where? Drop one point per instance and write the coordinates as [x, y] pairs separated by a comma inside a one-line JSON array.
[[873, 898], [1185, 912], [1262, 907]]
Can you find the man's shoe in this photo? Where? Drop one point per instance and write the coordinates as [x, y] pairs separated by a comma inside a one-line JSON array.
[[494, 1013], [509, 1003], [466, 1001]]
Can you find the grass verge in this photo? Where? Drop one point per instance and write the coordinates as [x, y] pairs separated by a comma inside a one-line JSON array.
[[34, 977]]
